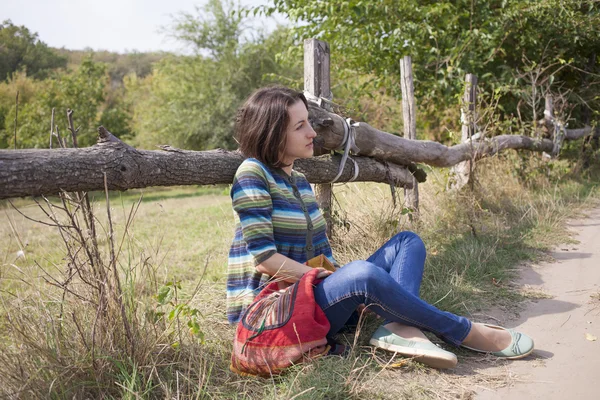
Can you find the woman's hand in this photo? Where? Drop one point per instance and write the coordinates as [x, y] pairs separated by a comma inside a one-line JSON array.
[[283, 268], [323, 273]]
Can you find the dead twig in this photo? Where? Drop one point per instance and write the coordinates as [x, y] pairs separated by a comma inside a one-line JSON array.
[[113, 262], [80, 331], [37, 221], [72, 127], [51, 127]]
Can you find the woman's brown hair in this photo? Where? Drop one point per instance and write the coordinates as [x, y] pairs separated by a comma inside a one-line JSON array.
[[262, 121]]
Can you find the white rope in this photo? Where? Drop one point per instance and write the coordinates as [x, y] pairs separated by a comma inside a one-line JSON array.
[[348, 142], [349, 145]]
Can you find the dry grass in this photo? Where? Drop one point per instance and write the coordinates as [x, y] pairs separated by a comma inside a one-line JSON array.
[[534, 293], [93, 315], [475, 241]]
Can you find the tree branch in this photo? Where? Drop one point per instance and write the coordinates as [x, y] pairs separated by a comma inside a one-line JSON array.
[[398, 150]]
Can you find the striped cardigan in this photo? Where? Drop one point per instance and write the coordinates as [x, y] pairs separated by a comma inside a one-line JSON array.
[[274, 213]]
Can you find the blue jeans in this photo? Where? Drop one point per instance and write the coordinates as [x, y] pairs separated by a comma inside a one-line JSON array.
[[388, 283]]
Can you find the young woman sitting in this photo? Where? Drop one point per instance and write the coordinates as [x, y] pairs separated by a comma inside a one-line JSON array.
[[279, 228]]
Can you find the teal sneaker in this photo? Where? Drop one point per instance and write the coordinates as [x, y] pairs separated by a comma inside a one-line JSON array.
[[520, 345], [423, 352]]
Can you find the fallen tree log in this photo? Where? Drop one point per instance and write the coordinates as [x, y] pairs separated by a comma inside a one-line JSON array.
[[398, 150], [35, 172], [574, 134]]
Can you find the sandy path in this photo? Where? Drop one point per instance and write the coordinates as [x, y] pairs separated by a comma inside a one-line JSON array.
[[566, 365]]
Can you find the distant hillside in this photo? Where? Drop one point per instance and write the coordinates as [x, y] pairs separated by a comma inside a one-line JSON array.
[[119, 64]]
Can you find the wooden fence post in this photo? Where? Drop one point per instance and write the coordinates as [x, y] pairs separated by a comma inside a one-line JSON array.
[[462, 171], [409, 112], [556, 132], [317, 83], [549, 120], [549, 110]]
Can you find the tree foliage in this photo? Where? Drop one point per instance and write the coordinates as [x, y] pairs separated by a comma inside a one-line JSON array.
[[82, 90], [191, 101], [498, 40], [20, 49]]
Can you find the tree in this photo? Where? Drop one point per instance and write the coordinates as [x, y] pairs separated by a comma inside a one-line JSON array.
[[191, 101], [82, 90], [21, 49], [27, 88]]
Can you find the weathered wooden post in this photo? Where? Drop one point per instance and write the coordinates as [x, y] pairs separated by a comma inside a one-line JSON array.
[[317, 83], [549, 110], [409, 112], [554, 127], [462, 171], [549, 120]]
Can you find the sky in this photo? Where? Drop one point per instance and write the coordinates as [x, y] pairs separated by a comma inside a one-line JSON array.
[[114, 25]]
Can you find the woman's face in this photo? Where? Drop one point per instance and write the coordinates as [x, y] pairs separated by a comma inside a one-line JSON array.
[[299, 134]]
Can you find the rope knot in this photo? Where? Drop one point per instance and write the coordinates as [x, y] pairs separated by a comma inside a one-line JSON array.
[[348, 144]]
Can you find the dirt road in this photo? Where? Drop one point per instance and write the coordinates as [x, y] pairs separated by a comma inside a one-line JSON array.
[[566, 362]]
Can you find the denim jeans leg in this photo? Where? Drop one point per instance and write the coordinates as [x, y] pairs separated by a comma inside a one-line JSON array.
[[362, 282], [403, 257]]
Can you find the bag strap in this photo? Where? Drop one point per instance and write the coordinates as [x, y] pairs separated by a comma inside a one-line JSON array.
[[260, 330]]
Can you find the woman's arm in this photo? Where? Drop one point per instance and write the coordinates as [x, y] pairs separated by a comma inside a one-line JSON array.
[[286, 269]]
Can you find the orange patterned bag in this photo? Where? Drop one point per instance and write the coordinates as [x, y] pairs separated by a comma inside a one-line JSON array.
[[279, 329]]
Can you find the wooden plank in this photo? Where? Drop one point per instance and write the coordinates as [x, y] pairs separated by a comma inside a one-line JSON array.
[[316, 68], [317, 83], [409, 112], [548, 108]]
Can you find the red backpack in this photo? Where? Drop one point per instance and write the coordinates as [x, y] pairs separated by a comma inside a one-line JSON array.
[[279, 329]]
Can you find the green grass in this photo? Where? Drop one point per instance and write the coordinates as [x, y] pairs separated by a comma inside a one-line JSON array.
[[476, 242]]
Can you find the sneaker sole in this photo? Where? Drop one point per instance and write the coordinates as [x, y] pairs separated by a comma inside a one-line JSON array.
[[432, 358], [519, 356], [503, 358]]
